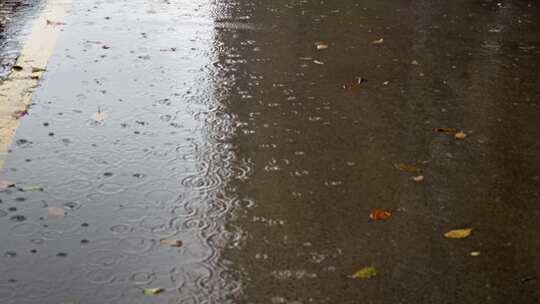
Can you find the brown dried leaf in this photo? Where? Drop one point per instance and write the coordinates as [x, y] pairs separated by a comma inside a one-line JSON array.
[[407, 168], [172, 243], [445, 130]]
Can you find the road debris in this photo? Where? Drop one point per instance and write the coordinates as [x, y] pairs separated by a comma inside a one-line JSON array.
[[364, 273], [153, 291], [458, 233], [460, 135], [380, 214], [172, 243]]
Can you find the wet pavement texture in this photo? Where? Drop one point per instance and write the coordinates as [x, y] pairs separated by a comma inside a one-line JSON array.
[[220, 124]]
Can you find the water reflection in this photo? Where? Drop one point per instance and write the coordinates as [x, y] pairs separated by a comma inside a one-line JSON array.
[[157, 167]]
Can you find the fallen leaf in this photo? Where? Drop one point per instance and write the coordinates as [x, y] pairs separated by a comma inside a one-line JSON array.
[[172, 243], [318, 62], [49, 22], [6, 184], [358, 81], [56, 211], [364, 273], [378, 41], [30, 188], [414, 62], [407, 168], [321, 46], [105, 47], [475, 253], [460, 135], [418, 178], [37, 70], [380, 214], [458, 233], [17, 68], [173, 49], [153, 291], [386, 83], [20, 113], [445, 130], [99, 116]]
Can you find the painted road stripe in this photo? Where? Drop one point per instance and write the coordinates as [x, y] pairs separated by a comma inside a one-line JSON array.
[[17, 89]]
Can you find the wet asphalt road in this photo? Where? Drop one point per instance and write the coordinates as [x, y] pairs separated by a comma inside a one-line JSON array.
[[221, 125]]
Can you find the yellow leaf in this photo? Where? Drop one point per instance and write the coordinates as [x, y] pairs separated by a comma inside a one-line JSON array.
[[378, 41], [475, 253], [460, 135], [153, 291], [365, 273], [458, 233]]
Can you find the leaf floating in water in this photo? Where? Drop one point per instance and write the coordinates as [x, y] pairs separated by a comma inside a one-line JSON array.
[[380, 214], [318, 62], [475, 253], [172, 243], [20, 113], [458, 233], [49, 22], [30, 188], [445, 130], [153, 291], [37, 70], [99, 116], [378, 41], [6, 184], [56, 211], [407, 168], [460, 135], [364, 273]]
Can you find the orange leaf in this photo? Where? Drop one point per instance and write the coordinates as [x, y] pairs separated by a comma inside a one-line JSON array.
[[380, 214]]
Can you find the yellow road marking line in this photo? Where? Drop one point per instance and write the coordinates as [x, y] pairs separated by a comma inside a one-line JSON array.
[[16, 90]]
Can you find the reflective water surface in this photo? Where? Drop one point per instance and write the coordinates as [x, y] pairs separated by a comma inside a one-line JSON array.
[[220, 124]]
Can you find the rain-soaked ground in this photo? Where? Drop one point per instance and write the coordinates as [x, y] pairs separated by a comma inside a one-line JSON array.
[[13, 15], [219, 124]]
